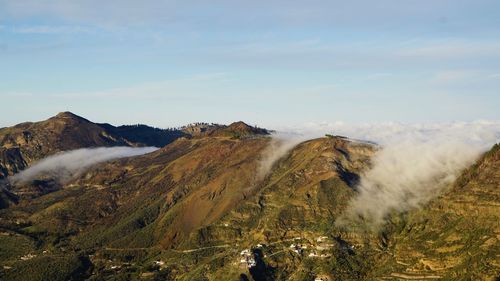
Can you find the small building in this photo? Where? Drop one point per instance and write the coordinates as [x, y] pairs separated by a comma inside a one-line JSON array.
[[159, 262]]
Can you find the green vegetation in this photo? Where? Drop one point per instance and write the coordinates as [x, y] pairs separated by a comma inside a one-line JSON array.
[[67, 267]]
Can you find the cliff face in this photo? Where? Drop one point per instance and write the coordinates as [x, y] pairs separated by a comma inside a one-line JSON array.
[[11, 161]]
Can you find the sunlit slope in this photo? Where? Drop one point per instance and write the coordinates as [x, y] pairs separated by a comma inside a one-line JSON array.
[[198, 209], [297, 205], [174, 197]]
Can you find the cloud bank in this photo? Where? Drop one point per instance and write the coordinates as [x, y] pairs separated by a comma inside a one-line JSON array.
[[415, 163], [66, 165], [406, 175]]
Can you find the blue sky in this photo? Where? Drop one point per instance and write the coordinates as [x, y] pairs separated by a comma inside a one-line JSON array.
[[271, 63]]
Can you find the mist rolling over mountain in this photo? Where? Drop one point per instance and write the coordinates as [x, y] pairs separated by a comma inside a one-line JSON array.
[[64, 166], [236, 202], [257, 140]]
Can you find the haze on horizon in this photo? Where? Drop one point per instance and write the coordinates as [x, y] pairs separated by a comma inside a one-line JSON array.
[[270, 63]]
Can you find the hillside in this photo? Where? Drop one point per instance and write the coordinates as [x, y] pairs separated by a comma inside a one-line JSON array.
[[201, 208], [235, 130], [182, 197]]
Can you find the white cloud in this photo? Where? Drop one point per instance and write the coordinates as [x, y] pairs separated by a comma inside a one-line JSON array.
[[181, 88], [66, 165], [494, 76], [48, 29], [381, 75], [280, 144], [452, 49], [407, 175], [454, 76], [415, 163], [479, 132]]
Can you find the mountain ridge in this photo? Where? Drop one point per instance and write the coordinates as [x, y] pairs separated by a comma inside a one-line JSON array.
[[24, 143], [197, 209]]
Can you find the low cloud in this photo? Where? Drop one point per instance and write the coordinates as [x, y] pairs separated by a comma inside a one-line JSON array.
[[66, 165], [406, 175], [279, 146], [415, 163]]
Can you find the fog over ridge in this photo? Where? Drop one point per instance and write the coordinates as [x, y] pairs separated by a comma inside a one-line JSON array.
[[281, 143], [414, 162], [67, 164]]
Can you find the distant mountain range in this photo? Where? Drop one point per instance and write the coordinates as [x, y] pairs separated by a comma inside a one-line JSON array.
[[27, 142], [199, 209]]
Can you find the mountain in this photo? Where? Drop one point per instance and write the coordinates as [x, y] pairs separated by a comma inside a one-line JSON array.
[[224, 203], [145, 135], [235, 130], [175, 199], [25, 143]]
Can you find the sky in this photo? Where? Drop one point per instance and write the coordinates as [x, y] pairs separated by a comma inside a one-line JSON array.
[[269, 63]]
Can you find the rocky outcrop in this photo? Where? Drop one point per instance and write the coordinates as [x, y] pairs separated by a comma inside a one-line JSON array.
[[11, 161]]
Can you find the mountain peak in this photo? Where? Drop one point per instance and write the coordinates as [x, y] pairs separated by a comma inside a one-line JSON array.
[[239, 125], [68, 117], [68, 114], [238, 129], [243, 127]]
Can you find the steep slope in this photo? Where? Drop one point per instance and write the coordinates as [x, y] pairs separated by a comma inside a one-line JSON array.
[[174, 199], [11, 161], [286, 231]]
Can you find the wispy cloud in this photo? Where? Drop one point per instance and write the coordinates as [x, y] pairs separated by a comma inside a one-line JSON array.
[[454, 76], [414, 164], [179, 88], [353, 14], [381, 75], [51, 29], [494, 76], [47, 29], [407, 175], [452, 49], [66, 165]]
